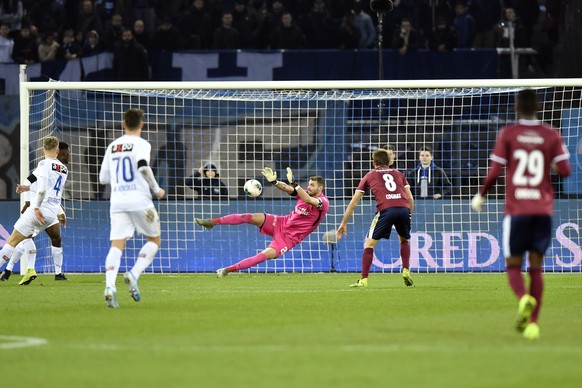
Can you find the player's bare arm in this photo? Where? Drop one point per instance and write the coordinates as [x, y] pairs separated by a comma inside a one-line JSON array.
[[343, 228], [410, 198]]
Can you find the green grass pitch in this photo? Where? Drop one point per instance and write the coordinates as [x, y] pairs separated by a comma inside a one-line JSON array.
[[288, 330]]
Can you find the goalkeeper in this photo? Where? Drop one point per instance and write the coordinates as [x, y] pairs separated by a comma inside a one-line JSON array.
[[287, 231]]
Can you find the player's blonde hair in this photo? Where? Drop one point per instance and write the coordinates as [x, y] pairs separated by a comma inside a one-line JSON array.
[[50, 143]]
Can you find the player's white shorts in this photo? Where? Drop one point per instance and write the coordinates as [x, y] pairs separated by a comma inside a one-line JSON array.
[[123, 225], [27, 224]]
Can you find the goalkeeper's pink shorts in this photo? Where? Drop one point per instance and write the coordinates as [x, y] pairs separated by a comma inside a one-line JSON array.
[[273, 228]]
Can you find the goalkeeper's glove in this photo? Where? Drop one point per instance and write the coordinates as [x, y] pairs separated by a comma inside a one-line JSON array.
[[270, 175], [290, 178], [477, 202]]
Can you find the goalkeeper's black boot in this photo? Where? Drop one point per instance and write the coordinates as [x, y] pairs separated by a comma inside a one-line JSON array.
[[60, 276], [5, 275], [207, 223]]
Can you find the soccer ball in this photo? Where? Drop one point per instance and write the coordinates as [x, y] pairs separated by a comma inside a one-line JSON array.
[[253, 188]]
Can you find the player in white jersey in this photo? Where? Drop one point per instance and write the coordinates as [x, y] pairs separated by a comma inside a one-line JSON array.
[[126, 168], [51, 176], [53, 230]]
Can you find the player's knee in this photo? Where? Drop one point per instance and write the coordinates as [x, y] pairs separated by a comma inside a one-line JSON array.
[[156, 240], [56, 241]]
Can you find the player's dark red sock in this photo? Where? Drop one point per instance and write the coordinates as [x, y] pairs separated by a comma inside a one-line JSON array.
[[367, 258], [536, 289], [516, 281], [233, 219], [405, 254], [248, 262]]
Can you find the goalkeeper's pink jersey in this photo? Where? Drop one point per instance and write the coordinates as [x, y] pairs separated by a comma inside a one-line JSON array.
[[304, 219]]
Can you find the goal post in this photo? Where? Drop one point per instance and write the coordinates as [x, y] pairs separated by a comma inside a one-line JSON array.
[[327, 128]]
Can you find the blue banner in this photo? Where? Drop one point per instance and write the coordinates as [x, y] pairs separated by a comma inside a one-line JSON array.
[[446, 236], [272, 65]]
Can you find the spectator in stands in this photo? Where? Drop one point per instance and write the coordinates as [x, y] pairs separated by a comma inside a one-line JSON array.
[[406, 38], [130, 59], [6, 44], [363, 21], [88, 19], [69, 49], [106, 9], [349, 34], [428, 180], [206, 182], [277, 10], [443, 38], [166, 37], [288, 35], [48, 47], [319, 27], [11, 14], [47, 15], [510, 31], [25, 49], [511, 28], [226, 37], [464, 24], [92, 45], [112, 32], [486, 14], [428, 11], [140, 34], [144, 10], [196, 27], [245, 22], [266, 26]]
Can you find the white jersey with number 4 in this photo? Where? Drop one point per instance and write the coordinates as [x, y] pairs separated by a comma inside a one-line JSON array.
[[55, 174], [129, 189]]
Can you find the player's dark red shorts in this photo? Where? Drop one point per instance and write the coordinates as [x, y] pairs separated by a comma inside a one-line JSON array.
[[526, 233], [381, 227]]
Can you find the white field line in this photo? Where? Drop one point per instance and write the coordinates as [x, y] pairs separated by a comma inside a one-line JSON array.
[[16, 342]]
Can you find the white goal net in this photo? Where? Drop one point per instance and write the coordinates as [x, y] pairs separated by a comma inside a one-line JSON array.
[[316, 128]]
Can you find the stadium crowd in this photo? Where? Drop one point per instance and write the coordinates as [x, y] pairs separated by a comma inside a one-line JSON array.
[[45, 30]]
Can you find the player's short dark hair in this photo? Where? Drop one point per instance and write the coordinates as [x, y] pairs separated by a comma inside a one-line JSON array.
[[320, 181], [63, 146], [381, 157], [527, 102], [132, 119], [425, 148]]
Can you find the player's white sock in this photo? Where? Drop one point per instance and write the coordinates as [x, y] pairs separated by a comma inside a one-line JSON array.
[[5, 254], [16, 255], [145, 258], [57, 253], [30, 249], [112, 263]]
